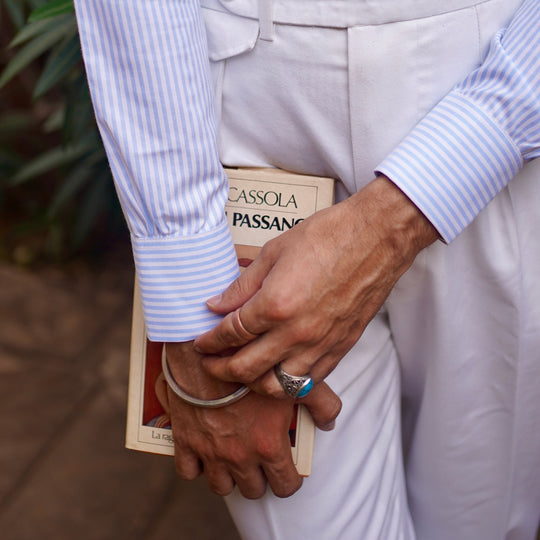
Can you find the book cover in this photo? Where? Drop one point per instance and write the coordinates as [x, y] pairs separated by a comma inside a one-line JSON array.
[[262, 204]]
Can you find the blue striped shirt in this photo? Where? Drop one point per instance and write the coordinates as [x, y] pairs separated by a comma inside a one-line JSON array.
[[478, 137], [147, 67], [148, 74]]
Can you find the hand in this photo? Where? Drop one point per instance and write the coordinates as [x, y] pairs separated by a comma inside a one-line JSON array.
[[246, 443], [310, 293]]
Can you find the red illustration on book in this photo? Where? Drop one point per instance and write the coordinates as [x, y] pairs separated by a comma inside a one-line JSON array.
[[156, 401]]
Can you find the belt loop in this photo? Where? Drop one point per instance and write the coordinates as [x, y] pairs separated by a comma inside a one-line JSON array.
[[266, 20]]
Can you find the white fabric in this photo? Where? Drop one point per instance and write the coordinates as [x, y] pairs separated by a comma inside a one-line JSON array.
[[148, 74], [147, 67], [357, 489], [465, 320], [341, 13], [477, 138]]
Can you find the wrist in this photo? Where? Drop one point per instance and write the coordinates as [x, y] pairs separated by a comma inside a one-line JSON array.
[[396, 218], [186, 368]]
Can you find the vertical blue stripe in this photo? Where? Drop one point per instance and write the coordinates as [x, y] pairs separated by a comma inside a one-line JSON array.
[[477, 138], [147, 67]]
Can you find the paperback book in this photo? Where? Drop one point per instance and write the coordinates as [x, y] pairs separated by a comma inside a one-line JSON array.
[[262, 204]]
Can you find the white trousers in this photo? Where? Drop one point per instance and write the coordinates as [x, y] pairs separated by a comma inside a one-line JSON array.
[[459, 339]]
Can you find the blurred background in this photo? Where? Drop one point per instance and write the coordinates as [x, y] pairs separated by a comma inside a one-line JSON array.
[[66, 283]]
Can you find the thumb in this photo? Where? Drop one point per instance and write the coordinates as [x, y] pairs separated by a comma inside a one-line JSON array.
[[324, 406], [240, 290]]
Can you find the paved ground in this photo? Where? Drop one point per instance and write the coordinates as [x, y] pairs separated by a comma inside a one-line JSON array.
[[64, 474]]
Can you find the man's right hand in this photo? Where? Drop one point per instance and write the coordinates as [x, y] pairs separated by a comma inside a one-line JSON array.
[[245, 443]]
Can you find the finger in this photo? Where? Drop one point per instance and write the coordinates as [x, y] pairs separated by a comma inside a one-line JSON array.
[[282, 475], [218, 478], [324, 406], [231, 332], [247, 364], [187, 464], [251, 481], [268, 385], [299, 365], [241, 289], [241, 331], [257, 357]]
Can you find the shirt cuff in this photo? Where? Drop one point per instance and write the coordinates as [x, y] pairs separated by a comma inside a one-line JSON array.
[[177, 275], [453, 163]]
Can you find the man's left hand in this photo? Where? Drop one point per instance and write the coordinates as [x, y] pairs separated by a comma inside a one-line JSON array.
[[308, 296]]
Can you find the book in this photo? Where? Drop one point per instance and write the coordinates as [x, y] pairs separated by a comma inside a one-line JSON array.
[[262, 204]]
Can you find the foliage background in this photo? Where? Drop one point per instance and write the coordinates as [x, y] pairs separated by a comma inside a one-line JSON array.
[[56, 193]]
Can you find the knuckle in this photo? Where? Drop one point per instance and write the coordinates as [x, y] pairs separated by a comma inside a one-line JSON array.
[[187, 472], [235, 287], [234, 456], [243, 286], [304, 332], [280, 308], [219, 487], [238, 288], [269, 449], [241, 373], [227, 338], [276, 393], [253, 492], [271, 388], [236, 371], [269, 250]]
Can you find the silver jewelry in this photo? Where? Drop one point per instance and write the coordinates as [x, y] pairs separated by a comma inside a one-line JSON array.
[[293, 385], [206, 403]]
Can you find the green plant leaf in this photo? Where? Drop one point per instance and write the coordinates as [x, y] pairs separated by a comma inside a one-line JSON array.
[[93, 203], [35, 48], [14, 121], [15, 10], [69, 189], [72, 183], [79, 115], [58, 66], [51, 9], [48, 161], [33, 29], [8, 162], [36, 3], [72, 193], [55, 120]]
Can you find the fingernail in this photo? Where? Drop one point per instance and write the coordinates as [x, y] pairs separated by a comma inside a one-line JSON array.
[[214, 301], [197, 349]]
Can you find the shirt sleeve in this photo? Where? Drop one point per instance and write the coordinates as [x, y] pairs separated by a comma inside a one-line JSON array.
[[147, 68], [478, 137]]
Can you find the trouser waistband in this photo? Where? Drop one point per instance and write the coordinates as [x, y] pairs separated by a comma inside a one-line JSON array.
[[337, 13]]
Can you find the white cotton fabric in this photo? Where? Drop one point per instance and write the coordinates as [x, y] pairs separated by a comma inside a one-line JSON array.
[[332, 87], [464, 321], [147, 66]]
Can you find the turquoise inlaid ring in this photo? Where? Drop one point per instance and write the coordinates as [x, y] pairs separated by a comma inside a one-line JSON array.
[[293, 385]]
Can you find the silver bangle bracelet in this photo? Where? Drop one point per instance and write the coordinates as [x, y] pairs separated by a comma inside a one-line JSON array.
[[206, 403]]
